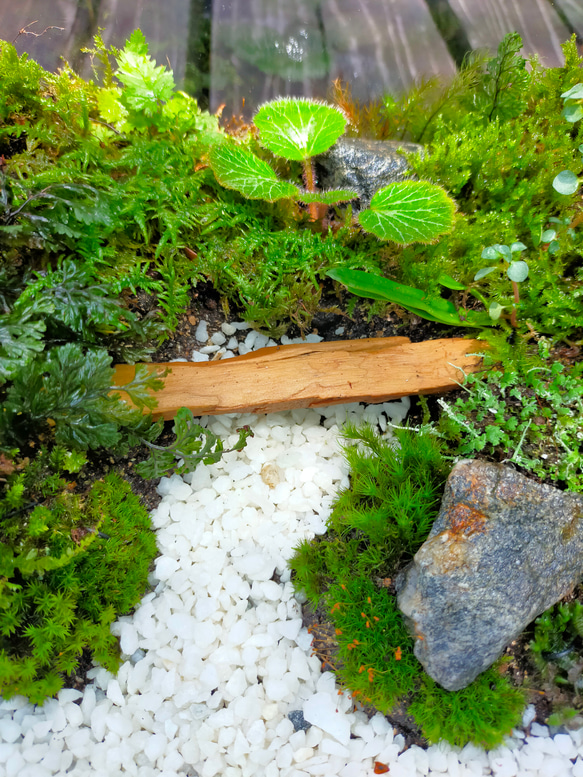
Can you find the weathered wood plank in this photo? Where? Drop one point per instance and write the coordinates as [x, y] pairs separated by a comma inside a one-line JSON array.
[[487, 21], [275, 47], [48, 48], [573, 10], [384, 47], [313, 375]]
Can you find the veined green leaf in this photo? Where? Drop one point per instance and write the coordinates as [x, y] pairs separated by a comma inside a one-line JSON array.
[[331, 197], [415, 300], [236, 168], [408, 212], [299, 128]]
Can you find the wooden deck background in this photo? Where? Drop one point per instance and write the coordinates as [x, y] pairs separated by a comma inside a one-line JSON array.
[[264, 48]]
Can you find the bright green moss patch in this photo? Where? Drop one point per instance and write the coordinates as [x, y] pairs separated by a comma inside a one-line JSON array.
[[70, 568], [376, 526]]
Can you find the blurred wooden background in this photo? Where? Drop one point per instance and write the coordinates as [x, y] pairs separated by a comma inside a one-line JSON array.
[[260, 49]]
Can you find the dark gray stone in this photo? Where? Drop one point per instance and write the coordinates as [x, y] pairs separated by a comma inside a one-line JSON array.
[[502, 550], [364, 165], [297, 718]]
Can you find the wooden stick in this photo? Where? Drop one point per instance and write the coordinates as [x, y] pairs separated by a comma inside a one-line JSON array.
[[313, 375]]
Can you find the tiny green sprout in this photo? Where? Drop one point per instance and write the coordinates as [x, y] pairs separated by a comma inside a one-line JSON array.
[[573, 97], [566, 182], [517, 272]]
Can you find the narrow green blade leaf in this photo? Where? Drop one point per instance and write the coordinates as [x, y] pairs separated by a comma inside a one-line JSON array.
[[408, 212], [566, 182], [298, 128], [415, 300], [330, 197], [236, 168]]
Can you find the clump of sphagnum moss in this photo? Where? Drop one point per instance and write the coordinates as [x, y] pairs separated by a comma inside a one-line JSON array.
[[69, 566], [376, 526]]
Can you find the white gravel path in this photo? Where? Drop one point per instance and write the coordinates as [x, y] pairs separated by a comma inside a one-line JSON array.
[[215, 657]]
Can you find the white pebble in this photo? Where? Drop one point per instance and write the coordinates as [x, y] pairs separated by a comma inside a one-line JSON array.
[[201, 332]]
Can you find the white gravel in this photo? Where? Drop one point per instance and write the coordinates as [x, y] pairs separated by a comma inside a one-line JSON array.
[[215, 657]]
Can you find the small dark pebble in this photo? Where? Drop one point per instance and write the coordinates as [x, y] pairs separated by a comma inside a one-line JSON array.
[[297, 718]]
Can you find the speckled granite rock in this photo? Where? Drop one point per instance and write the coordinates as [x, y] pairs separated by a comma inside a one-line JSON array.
[[502, 550], [364, 165]]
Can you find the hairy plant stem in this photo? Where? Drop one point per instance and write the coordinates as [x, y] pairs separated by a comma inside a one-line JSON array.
[[310, 181]]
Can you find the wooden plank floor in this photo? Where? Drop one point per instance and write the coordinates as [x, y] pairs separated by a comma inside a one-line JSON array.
[[264, 48], [486, 22], [573, 10], [383, 46]]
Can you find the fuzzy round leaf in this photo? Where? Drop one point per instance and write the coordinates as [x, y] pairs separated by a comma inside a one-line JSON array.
[[298, 128], [574, 93], [409, 212], [483, 272], [495, 311], [236, 168], [518, 271], [548, 235], [572, 113], [491, 253], [566, 182]]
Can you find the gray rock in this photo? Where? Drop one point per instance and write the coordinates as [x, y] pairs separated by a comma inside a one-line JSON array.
[[364, 165], [502, 550]]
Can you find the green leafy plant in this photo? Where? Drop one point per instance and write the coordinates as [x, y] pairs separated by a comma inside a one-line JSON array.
[[516, 270], [515, 413], [194, 443], [556, 649], [298, 130], [573, 99], [70, 565]]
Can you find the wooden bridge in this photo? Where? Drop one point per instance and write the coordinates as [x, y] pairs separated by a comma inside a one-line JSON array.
[[263, 48]]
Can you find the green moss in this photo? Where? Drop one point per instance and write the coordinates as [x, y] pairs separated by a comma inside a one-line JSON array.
[[68, 569], [376, 525], [483, 713]]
